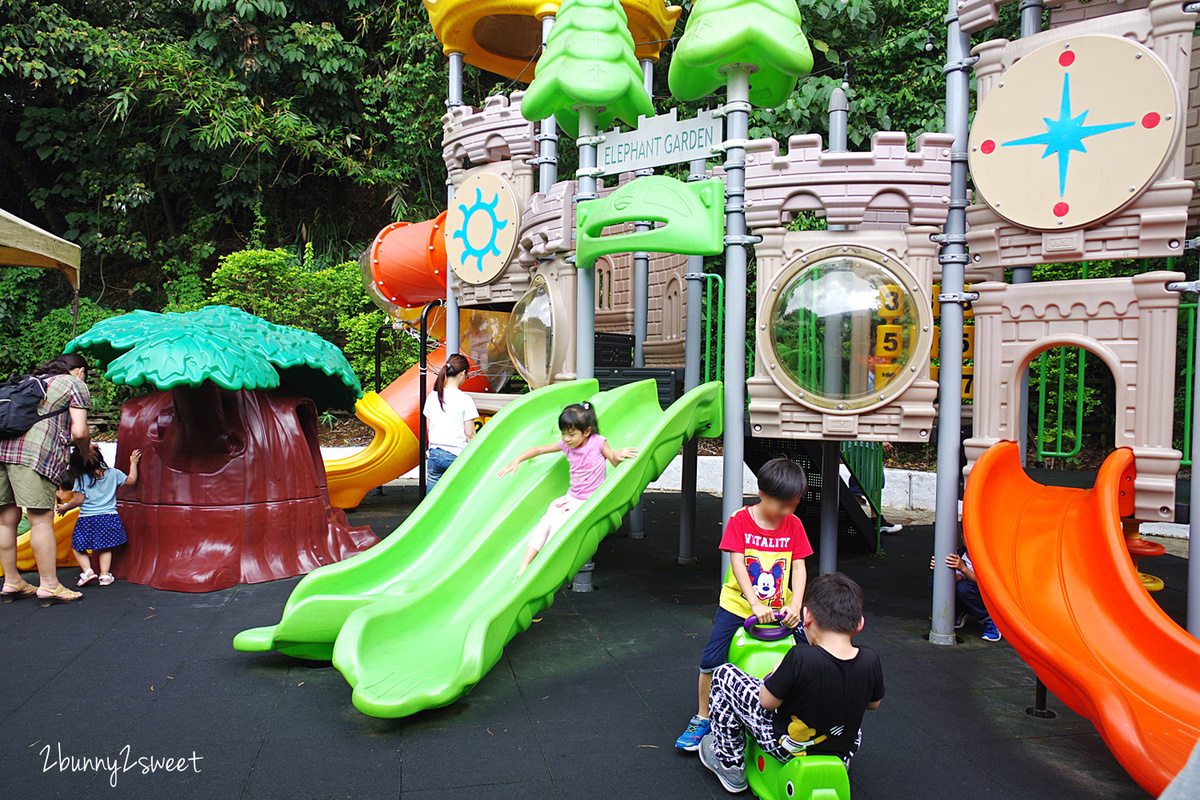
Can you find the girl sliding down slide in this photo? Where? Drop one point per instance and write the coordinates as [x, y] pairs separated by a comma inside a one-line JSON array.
[[586, 451]]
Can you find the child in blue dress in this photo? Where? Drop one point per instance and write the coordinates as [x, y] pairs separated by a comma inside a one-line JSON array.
[[98, 528]]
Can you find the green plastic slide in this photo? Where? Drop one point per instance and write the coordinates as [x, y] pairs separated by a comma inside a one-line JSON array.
[[417, 620]]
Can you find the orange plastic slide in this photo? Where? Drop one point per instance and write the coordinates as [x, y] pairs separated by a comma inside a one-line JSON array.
[[394, 414], [1060, 585]]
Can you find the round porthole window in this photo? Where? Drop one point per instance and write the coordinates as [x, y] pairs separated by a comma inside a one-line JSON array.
[[531, 335], [845, 329]]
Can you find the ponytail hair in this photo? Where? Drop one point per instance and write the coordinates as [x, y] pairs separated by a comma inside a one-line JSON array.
[[455, 365], [60, 365]]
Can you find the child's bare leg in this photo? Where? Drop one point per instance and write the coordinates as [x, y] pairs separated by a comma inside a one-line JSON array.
[[705, 685], [530, 555], [105, 561], [85, 563]]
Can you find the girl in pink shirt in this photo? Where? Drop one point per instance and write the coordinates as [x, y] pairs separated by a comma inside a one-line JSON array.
[[586, 451]]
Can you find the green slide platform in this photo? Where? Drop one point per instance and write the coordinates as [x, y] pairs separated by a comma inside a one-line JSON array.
[[417, 620]]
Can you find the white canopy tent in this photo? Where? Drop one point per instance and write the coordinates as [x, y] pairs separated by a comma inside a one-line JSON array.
[[26, 245]]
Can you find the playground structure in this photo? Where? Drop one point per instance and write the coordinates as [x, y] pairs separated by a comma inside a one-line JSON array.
[[845, 333]]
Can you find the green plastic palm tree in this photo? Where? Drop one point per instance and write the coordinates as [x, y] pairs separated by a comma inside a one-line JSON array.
[[222, 345], [765, 33], [589, 61]]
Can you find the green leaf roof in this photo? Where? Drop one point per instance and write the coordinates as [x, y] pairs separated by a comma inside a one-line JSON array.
[[589, 61], [227, 346], [765, 33]]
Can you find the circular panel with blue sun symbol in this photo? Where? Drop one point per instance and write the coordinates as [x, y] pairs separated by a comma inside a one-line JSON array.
[[481, 227], [1073, 131]]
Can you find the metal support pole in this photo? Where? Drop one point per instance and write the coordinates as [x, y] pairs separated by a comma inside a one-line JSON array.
[[1039, 708], [691, 379], [1193, 581], [737, 115], [1031, 19], [953, 259], [585, 300], [839, 127], [423, 424], [641, 259], [547, 136], [641, 304], [1031, 23], [830, 481], [453, 100], [839, 118], [378, 358]]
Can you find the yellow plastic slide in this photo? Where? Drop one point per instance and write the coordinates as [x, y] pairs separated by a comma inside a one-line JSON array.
[[64, 526], [393, 452]]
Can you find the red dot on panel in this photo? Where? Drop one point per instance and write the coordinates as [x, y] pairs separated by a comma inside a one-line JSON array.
[[1151, 120], [762, 764], [1061, 209], [1066, 59], [988, 147]]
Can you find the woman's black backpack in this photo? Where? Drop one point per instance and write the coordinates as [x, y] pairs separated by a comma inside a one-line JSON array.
[[19, 399]]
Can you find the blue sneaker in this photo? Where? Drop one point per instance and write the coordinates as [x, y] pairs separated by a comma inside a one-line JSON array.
[[696, 730], [990, 633], [960, 621]]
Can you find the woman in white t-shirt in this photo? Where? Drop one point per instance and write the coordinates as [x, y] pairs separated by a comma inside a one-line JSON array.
[[451, 415]]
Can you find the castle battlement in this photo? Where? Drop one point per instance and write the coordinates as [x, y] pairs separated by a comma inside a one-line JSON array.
[[495, 132], [889, 177]]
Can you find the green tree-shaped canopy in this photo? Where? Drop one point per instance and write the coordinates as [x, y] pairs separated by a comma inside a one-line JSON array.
[[233, 349], [765, 33], [589, 61]]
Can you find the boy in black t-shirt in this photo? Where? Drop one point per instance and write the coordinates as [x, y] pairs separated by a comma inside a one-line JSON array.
[[813, 703]]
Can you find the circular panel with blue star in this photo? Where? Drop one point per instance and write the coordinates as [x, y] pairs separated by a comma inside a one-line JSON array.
[[1073, 132], [481, 227]]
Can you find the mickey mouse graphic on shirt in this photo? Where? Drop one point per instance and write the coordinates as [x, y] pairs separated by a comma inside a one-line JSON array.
[[768, 584]]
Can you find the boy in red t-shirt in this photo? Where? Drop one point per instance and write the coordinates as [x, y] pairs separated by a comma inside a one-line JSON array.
[[767, 547]]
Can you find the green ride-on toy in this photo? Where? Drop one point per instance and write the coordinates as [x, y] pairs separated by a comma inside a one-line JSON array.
[[758, 649]]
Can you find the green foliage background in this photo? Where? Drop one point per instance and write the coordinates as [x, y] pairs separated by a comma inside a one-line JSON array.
[[195, 148]]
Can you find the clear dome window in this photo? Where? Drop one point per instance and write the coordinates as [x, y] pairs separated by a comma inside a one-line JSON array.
[[531, 335], [845, 331]]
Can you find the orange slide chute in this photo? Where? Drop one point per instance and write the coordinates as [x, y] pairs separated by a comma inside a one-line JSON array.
[[408, 262], [1060, 584], [394, 414]]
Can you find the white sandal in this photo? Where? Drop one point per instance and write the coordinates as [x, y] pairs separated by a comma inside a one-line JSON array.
[[85, 578], [106, 579]]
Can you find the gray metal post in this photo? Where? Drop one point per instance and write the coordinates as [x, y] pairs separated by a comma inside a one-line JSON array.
[[1193, 580], [839, 119], [737, 115], [641, 303], [1031, 23], [691, 379], [1031, 17], [953, 259], [641, 259], [831, 455], [585, 300], [454, 98], [547, 159], [839, 129]]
